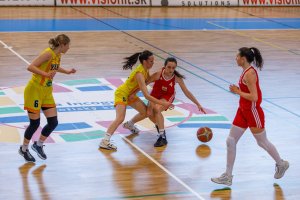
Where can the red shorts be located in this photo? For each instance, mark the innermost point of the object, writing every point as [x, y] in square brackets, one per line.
[168, 97]
[250, 118]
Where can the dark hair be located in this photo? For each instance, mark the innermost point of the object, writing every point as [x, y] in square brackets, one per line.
[171, 59]
[131, 60]
[58, 40]
[252, 55]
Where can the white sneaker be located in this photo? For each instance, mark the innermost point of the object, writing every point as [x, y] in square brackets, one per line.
[280, 169]
[105, 144]
[131, 127]
[224, 179]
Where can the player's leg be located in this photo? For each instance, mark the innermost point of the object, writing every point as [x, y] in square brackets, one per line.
[256, 124]
[32, 103]
[139, 106]
[52, 122]
[237, 130]
[50, 112]
[120, 116]
[159, 118]
[34, 124]
[150, 114]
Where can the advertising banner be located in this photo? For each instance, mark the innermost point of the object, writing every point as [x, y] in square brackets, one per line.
[269, 3]
[27, 2]
[103, 2]
[194, 3]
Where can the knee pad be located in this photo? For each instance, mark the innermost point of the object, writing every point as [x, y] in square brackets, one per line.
[33, 126]
[52, 124]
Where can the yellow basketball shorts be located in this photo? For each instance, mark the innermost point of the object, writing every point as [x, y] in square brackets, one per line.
[37, 96]
[122, 98]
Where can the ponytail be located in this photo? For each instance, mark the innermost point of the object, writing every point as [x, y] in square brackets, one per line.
[131, 60]
[58, 40]
[252, 55]
[179, 75]
[259, 62]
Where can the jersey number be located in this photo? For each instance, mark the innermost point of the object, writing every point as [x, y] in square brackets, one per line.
[36, 103]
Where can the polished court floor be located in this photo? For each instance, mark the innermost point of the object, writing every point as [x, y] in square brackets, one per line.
[204, 41]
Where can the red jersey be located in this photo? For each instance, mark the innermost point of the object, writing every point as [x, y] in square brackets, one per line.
[164, 88]
[244, 103]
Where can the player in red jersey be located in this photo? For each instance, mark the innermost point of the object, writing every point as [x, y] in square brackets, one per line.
[249, 114]
[163, 89]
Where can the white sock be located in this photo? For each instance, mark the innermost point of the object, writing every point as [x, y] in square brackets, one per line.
[107, 136]
[39, 143]
[162, 132]
[233, 138]
[131, 124]
[263, 142]
[24, 147]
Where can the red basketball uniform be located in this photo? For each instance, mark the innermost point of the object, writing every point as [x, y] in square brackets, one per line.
[164, 88]
[249, 113]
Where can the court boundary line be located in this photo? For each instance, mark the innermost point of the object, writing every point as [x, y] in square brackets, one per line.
[13, 51]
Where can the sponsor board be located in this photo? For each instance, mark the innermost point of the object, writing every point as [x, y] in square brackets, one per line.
[27, 2]
[194, 3]
[103, 2]
[269, 2]
[147, 3]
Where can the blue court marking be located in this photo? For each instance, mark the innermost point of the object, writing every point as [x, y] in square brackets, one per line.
[210, 125]
[94, 88]
[261, 24]
[72, 126]
[85, 108]
[36, 25]
[14, 119]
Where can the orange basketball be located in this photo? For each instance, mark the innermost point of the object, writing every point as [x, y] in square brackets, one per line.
[204, 134]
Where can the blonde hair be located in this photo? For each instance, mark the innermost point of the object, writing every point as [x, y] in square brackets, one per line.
[58, 40]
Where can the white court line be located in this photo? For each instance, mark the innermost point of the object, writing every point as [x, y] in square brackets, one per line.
[162, 167]
[128, 141]
[10, 48]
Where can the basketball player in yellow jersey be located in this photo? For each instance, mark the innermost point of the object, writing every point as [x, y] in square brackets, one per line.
[38, 94]
[136, 81]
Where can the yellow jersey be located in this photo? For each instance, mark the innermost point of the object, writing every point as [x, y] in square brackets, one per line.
[51, 65]
[131, 84]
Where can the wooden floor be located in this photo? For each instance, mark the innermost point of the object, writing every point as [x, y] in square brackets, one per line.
[182, 170]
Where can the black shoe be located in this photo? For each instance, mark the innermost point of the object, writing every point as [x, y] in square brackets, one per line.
[27, 156]
[161, 141]
[39, 150]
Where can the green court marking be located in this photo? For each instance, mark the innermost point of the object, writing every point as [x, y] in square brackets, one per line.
[8, 110]
[2, 93]
[82, 136]
[81, 82]
[222, 189]
[153, 195]
[146, 195]
[202, 118]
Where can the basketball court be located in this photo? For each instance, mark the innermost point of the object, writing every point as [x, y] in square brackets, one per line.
[205, 42]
